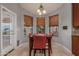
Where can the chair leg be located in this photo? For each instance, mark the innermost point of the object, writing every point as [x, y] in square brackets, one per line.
[44, 52]
[30, 50]
[51, 50]
[34, 52]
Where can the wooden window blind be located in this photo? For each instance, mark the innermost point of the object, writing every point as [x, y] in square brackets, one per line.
[53, 20]
[28, 20]
[40, 21]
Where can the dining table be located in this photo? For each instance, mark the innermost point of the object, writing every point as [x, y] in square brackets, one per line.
[48, 41]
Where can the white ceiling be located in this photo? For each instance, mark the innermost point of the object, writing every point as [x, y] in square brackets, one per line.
[32, 7]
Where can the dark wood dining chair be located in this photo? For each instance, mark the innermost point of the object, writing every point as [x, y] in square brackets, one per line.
[30, 43]
[50, 37]
[39, 43]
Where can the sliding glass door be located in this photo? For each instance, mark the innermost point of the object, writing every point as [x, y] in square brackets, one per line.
[7, 31]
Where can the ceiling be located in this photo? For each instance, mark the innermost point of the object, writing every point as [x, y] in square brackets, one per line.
[32, 7]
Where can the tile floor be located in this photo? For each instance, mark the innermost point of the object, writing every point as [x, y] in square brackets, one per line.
[23, 50]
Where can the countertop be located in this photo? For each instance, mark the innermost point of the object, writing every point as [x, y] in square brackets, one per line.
[75, 34]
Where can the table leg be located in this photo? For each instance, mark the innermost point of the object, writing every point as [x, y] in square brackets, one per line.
[29, 48]
[49, 47]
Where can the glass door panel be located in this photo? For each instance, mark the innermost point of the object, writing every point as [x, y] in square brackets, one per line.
[6, 29]
[8, 26]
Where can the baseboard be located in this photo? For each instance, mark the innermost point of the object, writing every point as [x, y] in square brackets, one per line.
[21, 44]
[66, 50]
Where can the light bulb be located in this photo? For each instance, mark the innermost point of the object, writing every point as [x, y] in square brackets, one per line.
[44, 11]
[40, 13]
[38, 10]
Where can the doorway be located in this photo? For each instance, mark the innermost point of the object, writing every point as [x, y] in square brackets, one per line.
[53, 26]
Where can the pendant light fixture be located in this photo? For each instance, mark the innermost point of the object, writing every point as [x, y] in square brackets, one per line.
[41, 10]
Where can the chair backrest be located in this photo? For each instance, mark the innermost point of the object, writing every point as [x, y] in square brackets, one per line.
[50, 34]
[39, 42]
[30, 34]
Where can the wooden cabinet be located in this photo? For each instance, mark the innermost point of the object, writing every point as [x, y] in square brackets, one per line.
[75, 45]
[53, 20]
[75, 10]
[28, 21]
